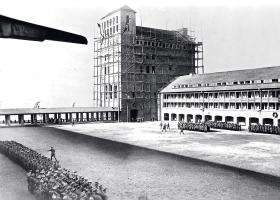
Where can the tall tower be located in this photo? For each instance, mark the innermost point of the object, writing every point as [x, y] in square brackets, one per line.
[132, 63]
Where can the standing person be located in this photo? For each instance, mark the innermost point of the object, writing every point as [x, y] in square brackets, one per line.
[52, 150]
[73, 122]
[168, 126]
[182, 131]
[163, 128]
[160, 125]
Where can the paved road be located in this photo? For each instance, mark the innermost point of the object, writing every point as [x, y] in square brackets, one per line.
[129, 171]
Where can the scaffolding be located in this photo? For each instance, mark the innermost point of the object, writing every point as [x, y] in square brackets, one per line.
[130, 53]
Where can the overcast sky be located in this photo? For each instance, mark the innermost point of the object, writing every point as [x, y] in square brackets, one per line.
[236, 35]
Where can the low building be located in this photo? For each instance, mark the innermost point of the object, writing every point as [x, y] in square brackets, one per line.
[245, 97]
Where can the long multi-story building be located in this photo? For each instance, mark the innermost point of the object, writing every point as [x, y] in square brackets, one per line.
[242, 96]
[131, 64]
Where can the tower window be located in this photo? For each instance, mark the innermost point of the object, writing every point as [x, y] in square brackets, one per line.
[153, 69]
[148, 69]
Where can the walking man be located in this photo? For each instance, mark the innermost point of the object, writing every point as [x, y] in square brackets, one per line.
[163, 128]
[168, 126]
[182, 131]
[52, 150]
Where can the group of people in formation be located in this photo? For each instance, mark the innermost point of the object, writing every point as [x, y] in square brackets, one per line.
[202, 127]
[224, 125]
[257, 128]
[47, 180]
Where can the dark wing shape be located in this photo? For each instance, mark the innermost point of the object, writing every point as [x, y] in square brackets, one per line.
[13, 28]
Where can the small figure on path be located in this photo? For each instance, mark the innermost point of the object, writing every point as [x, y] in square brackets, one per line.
[163, 128]
[168, 126]
[160, 125]
[182, 132]
[52, 150]
[73, 122]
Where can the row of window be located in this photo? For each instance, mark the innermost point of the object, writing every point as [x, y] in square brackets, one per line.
[250, 106]
[111, 30]
[163, 45]
[110, 22]
[225, 83]
[220, 95]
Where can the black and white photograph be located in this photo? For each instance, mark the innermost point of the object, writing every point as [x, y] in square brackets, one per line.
[139, 100]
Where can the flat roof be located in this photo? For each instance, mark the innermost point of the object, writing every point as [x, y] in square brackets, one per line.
[25, 111]
[266, 73]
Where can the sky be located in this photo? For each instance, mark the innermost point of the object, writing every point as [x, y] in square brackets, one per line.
[236, 35]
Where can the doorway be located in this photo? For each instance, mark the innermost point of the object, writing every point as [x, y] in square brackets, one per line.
[133, 115]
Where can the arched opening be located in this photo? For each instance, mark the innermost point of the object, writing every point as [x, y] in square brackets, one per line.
[208, 118]
[229, 119]
[166, 116]
[181, 117]
[241, 121]
[253, 121]
[218, 118]
[173, 117]
[189, 118]
[268, 121]
[198, 118]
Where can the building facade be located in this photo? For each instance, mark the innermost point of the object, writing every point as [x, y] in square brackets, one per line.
[242, 96]
[131, 64]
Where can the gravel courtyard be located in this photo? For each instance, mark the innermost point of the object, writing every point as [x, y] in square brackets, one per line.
[257, 152]
[128, 171]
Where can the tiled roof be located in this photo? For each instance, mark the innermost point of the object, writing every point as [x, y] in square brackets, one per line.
[266, 73]
[125, 7]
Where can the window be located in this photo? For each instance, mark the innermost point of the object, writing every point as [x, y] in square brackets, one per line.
[170, 68]
[116, 19]
[274, 80]
[141, 69]
[153, 69]
[110, 22]
[133, 94]
[113, 29]
[148, 69]
[117, 28]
